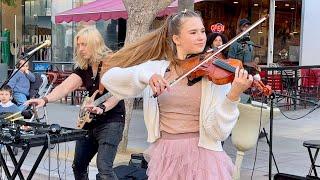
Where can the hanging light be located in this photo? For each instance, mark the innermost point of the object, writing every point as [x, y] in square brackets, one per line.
[294, 18]
[260, 10]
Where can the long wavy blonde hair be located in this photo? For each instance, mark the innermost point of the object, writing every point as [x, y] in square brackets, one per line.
[95, 43]
[155, 45]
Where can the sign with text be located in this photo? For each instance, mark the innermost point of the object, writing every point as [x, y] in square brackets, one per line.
[218, 28]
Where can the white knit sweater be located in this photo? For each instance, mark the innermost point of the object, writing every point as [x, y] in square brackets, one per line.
[218, 114]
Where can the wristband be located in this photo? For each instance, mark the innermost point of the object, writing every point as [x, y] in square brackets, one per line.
[103, 107]
[45, 100]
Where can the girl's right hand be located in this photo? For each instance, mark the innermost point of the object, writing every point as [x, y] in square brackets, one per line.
[158, 84]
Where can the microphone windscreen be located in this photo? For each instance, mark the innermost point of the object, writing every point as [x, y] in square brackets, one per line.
[47, 42]
[27, 114]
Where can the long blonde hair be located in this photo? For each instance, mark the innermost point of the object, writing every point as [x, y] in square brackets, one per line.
[155, 45]
[95, 43]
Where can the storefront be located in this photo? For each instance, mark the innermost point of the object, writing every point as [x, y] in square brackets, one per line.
[229, 12]
[63, 33]
[286, 31]
[35, 23]
[11, 28]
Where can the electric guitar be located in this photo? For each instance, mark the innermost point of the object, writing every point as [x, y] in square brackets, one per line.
[84, 115]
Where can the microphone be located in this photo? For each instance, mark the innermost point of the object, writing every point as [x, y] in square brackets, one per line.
[46, 43]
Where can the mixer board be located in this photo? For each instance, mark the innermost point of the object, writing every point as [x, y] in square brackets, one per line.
[26, 135]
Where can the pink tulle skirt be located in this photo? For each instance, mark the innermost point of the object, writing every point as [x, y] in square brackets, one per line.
[178, 157]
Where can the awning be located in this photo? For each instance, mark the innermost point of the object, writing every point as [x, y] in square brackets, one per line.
[104, 9]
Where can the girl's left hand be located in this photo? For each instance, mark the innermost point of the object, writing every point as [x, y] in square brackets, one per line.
[242, 81]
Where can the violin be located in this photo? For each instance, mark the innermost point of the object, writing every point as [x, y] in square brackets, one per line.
[218, 71]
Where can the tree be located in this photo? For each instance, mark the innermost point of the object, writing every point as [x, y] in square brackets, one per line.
[141, 13]
[8, 2]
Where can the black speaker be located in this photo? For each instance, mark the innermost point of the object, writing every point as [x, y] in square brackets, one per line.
[282, 176]
[138, 160]
[128, 172]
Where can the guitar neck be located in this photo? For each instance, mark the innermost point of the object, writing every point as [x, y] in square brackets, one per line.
[102, 99]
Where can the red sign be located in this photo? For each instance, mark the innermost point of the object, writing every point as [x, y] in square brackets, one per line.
[218, 27]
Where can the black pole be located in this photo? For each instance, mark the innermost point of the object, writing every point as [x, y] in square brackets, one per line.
[272, 96]
[268, 142]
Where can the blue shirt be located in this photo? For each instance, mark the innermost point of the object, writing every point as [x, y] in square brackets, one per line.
[20, 82]
[9, 107]
[242, 52]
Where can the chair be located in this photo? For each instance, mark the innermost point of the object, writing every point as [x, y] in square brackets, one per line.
[313, 144]
[309, 85]
[77, 96]
[246, 131]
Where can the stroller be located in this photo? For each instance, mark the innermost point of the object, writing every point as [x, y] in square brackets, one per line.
[39, 89]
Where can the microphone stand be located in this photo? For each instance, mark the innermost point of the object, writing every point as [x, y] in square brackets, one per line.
[272, 96]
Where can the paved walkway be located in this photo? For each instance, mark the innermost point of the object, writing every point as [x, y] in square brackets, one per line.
[289, 135]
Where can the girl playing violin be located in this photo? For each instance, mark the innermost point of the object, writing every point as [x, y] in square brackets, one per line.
[185, 123]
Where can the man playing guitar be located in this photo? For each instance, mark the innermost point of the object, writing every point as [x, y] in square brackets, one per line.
[105, 131]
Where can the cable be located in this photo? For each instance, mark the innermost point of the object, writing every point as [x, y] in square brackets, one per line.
[2, 147]
[48, 136]
[58, 162]
[65, 160]
[259, 129]
[313, 109]
[294, 119]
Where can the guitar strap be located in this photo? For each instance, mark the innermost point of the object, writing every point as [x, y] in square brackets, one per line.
[100, 88]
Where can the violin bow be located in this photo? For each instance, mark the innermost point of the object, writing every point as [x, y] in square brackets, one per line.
[255, 24]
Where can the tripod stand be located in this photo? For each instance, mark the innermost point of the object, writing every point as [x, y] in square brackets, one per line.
[272, 97]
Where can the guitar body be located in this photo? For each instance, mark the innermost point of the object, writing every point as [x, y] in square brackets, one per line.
[84, 115]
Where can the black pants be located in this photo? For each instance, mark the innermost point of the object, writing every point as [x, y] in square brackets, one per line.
[103, 139]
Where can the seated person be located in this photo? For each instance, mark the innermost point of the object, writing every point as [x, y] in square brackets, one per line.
[20, 84]
[6, 105]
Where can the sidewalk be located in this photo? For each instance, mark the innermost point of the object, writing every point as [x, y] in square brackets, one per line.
[291, 156]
